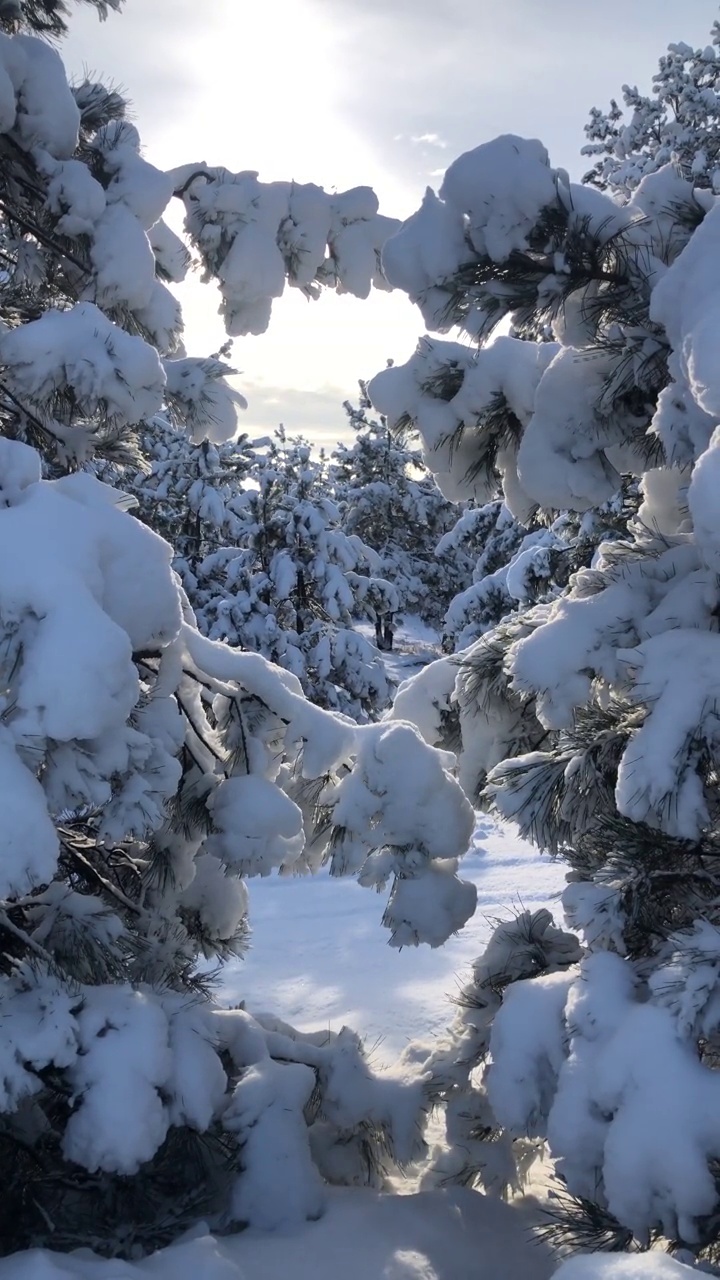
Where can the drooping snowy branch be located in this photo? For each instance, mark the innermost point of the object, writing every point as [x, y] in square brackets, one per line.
[255, 237]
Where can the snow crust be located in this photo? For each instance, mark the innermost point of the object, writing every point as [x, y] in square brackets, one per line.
[597, 1101]
[332, 971]
[46, 112]
[684, 302]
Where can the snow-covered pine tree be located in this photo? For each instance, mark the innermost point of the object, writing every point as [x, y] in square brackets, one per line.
[146, 771]
[186, 491]
[493, 532]
[592, 718]
[520, 566]
[262, 558]
[387, 497]
[677, 123]
[288, 581]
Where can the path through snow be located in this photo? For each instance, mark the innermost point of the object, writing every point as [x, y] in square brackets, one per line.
[319, 954]
[320, 959]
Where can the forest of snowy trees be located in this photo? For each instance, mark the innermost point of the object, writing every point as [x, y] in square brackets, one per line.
[199, 687]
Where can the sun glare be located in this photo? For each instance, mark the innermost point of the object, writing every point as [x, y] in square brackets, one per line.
[253, 86]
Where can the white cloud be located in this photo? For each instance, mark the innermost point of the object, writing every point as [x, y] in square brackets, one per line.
[429, 139]
[318, 415]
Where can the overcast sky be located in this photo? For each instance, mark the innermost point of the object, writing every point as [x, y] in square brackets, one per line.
[343, 92]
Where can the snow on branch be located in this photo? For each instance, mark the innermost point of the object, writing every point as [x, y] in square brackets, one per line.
[255, 237]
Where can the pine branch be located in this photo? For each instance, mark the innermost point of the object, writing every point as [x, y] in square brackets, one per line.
[95, 876]
[582, 1225]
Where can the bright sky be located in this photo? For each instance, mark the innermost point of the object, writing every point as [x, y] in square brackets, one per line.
[383, 93]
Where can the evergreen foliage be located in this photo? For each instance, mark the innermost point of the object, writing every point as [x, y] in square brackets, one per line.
[386, 497]
[146, 771]
[187, 492]
[289, 580]
[151, 762]
[590, 717]
[45, 17]
[677, 123]
[263, 558]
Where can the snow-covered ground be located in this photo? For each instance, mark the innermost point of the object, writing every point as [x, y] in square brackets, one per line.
[414, 645]
[319, 959]
[319, 956]
[440, 1235]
